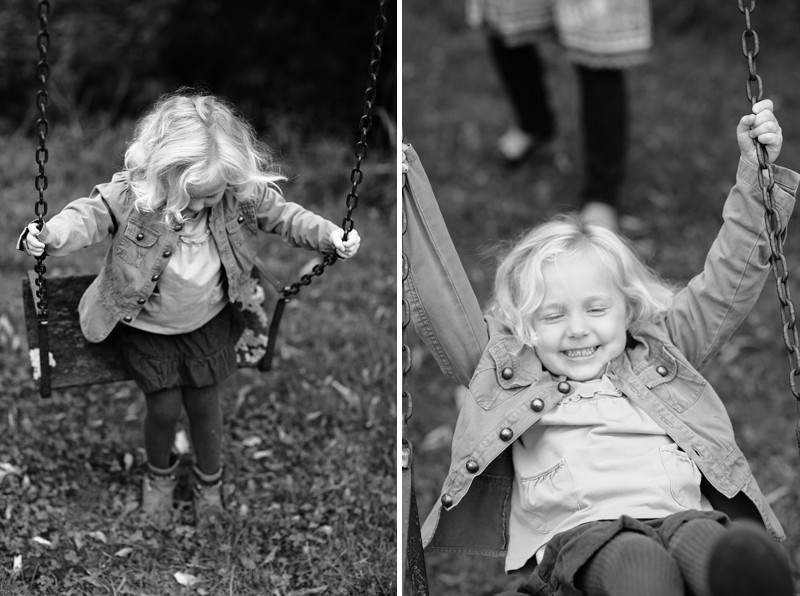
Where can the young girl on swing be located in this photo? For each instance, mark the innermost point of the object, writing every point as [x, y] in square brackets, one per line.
[591, 452]
[183, 219]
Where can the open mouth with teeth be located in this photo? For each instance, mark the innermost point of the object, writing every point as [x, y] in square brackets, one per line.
[581, 353]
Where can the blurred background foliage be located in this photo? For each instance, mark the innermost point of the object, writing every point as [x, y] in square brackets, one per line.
[308, 59]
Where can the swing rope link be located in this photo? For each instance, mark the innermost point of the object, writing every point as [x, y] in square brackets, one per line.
[766, 183]
[42, 154]
[356, 175]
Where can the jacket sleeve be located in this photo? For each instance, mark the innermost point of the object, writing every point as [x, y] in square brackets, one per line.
[708, 311]
[296, 225]
[444, 308]
[86, 221]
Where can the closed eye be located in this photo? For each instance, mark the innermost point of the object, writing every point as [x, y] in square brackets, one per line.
[552, 317]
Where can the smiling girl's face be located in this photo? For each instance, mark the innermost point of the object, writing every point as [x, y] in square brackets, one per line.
[581, 324]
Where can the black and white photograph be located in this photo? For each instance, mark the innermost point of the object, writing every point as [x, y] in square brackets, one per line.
[199, 298]
[600, 348]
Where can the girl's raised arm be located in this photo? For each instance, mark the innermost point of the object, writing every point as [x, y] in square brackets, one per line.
[444, 308]
[708, 311]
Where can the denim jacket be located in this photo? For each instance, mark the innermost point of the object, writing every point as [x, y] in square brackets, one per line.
[142, 243]
[658, 370]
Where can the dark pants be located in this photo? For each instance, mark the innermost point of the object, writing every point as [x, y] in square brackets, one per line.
[603, 113]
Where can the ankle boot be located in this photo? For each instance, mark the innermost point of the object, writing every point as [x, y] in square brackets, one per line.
[745, 561]
[158, 488]
[207, 491]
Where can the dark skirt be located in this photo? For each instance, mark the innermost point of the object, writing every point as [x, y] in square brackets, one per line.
[203, 357]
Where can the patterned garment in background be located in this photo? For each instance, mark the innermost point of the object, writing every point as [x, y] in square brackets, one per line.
[595, 33]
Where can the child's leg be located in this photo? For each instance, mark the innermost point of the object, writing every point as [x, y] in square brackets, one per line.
[691, 546]
[737, 560]
[161, 417]
[205, 419]
[205, 422]
[631, 564]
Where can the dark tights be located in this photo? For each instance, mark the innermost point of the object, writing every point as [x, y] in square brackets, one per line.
[205, 422]
[633, 564]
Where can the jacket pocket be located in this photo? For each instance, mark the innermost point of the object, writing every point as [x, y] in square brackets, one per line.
[673, 380]
[501, 374]
[683, 475]
[242, 224]
[135, 242]
[549, 497]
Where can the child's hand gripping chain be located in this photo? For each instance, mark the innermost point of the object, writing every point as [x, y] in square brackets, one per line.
[761, 126]
[31, 242]
[345, 248]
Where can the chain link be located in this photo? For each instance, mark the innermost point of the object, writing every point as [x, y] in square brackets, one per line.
[356, 175]
[766, 183]
[42, 154]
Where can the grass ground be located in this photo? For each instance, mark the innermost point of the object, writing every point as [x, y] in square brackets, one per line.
[309, 447]
[684, 107]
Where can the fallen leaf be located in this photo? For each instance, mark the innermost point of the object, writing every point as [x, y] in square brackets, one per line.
[42, 541]
[252, 441]
[185, 579]
[98, 535]
[347, 394]
[123, 552]
[8, 470]
[17, 565]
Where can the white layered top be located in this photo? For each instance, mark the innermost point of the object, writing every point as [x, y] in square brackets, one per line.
[190, 291]
[594, 456]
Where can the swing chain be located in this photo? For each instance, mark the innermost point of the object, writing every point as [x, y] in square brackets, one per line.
[413, 551]
[356, 175]
[766, 183]
[42, 128]
[365, 122]
[408, 404]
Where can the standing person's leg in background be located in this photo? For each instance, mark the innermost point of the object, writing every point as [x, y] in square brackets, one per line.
[604, 115]
[522, 74]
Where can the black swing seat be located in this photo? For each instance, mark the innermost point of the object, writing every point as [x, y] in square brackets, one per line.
[75, 362]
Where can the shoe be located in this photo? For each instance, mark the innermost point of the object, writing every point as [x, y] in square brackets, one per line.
[515, 145]
[599, 213]
[746, 562]
[158, 489]
[209, 510]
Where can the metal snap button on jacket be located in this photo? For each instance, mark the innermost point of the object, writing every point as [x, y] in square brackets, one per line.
[127, 318]
[537, 405]
[472, 466]
[140, 236]
[506, 434]
[662, 370]
[507, 373]
[564, 387]
[447, 500]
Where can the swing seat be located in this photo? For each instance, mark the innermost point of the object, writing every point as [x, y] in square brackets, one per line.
[74, 361]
